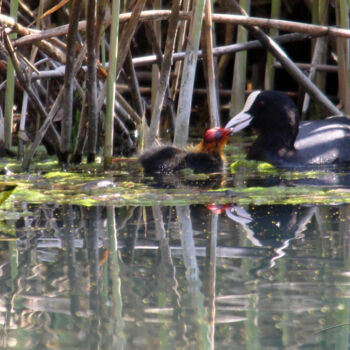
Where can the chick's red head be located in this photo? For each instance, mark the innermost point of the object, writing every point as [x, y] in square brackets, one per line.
[216, 134]
[215, 139]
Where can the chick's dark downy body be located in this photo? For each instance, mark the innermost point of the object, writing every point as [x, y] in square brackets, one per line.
[206, 157]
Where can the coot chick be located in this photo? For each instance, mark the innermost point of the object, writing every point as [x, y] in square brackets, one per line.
[285, 142]
[206, 157]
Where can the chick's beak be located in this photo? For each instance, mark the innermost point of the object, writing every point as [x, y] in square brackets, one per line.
[239, 122]
[227, 132]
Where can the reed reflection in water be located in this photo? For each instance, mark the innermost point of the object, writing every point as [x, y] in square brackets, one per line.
[199, 277]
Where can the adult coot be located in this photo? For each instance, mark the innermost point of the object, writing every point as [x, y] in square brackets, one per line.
[285, 142]
[206, 157]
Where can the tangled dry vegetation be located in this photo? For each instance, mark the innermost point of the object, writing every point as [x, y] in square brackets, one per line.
[83, 77]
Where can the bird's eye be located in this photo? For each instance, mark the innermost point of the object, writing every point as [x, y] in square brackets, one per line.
[261, 103]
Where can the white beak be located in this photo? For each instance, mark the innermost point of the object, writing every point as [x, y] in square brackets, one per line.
[243, 119]
[239, 122]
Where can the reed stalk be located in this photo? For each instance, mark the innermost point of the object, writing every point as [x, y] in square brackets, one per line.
[315, 13]
[209, 66]
[269, 69]
[70, 252]
[194, 283]
[225, 59]
[180, 47]
[13, 252]
[10, 85]
[81, 135]
[157, 31]
[66, 125]
[297, 74]
[152, 37]
[31, 36]
[129, 110]
[240, 68]
[34, 51]
[21, 133]
[290, 67]
[342, 17]
[32, 95]
[115, 291]
[111, 84]
[179, 56]
[212, 276]
[318, 49]
[93, 220]
[49, 117]
[91, 82]
[128, 33]
[328, 68]
[223, 50]
[321, 17]
[100, 17]
[22, 125]
[163, 82]
[188, 75]
[134, 85]
[42, 131]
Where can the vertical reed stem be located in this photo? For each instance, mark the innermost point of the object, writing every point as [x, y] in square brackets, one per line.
[342, 10]
[112, 71]
[164, 73]
[269, 70]
[180, 46]
[91, 82]
[10, 86]
[319, 16]
[115, 280]
[188, 75]
[317, 53]
[209, 69]
[323, 20]
[127, 34]
[240, 68]
[66, 129]
[157, 5]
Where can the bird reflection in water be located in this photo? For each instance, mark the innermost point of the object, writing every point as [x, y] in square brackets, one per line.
[270, 226]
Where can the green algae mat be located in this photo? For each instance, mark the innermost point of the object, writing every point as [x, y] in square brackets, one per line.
[124, 185]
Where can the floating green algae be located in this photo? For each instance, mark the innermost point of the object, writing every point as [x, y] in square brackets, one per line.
[6, 189]
[124, 185]
[252, 165]
[137, 193]
[266, 169]
[71, 177]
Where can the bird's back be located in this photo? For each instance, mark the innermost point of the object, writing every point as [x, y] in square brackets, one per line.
[324, 141]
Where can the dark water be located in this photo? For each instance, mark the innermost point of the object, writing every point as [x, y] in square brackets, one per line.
[181, 277]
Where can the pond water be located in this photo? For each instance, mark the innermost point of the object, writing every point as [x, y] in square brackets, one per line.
[262, 262]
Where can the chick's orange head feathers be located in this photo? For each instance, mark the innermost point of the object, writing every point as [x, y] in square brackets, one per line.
[215, 139]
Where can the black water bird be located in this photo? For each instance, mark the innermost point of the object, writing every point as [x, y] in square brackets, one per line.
[286, 142]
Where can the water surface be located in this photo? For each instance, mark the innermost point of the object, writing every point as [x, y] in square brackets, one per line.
[176, 277]
[253, 259]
